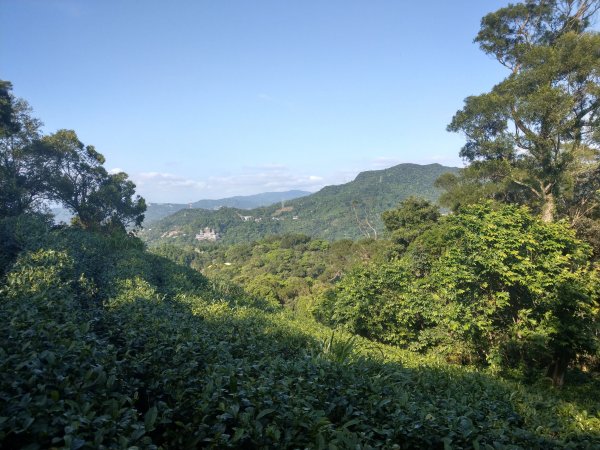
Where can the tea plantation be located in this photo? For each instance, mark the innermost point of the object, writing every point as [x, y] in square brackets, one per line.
[107, 346]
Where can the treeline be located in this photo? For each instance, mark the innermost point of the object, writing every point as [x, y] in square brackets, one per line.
[346, 211]
[289, 269]
[107, 346]
[490, 285]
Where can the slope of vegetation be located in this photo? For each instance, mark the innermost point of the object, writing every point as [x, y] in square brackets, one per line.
[156, 211]
[347, 211]
[107, 346]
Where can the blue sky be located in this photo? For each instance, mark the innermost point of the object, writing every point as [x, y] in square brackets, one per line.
[205, 99]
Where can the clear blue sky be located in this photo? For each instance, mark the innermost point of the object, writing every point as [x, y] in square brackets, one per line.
[204, 99]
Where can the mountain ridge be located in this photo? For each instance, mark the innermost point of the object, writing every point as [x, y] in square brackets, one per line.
[156, 211]
[350, 210]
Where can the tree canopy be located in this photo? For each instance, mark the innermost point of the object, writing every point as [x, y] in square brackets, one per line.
[488, 285]
[534, 138]
[59, 168]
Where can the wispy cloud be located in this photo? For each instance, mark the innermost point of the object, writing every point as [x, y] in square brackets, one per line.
[167, 180]
[268, 98]
[169, 187]
[383, 162]
[272, 177]
[265, 97]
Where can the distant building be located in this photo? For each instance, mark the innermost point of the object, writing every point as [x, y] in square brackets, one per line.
[208, 234]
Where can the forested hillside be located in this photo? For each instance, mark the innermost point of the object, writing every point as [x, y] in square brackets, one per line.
[108, 346]
[156, 211]
[346, 211]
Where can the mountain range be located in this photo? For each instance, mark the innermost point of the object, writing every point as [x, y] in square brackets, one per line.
[156, 211]
[351, 210]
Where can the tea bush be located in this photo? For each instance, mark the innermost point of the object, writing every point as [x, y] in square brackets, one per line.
[159, 357]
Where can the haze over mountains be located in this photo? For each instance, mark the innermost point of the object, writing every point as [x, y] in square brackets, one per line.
[157, 211]
[350, 210]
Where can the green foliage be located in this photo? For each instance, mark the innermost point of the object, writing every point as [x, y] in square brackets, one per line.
[338, 350]
[173, 363]
[529, 137]
[60, 384]
[281, 269]
[409, 220]
[365, 303]
[156, 211]
[17, 234]
[35, 169]
[76, 178]
[486, 286]
[21, 177]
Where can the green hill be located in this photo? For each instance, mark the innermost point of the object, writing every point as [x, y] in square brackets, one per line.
[351, 210]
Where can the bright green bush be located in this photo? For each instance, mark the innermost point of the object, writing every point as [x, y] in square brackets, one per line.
[492, 286]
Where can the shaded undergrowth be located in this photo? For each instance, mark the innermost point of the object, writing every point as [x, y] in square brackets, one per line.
[111, 348]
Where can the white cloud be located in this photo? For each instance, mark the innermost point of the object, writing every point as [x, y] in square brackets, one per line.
[168, 187]
[269, 99]
[258, 179]
[115, 171]
[167, 180]
[265, 97]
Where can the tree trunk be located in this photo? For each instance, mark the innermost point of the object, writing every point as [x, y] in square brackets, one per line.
[548, 208]
[557, 370]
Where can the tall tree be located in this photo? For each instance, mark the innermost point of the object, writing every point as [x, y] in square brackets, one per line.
[528, 136]
[20, 180]
[76, 177]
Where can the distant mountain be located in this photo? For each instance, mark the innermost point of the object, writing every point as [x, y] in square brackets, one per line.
[156, 211]
[350, 210]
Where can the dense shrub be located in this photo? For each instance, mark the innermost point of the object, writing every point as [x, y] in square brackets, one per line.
[492, 286]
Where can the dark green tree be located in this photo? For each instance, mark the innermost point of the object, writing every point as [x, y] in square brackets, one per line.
[20, 178]
[520, 290]
[528, 137]
[5, 107]
[410, 219]
[76, 177]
